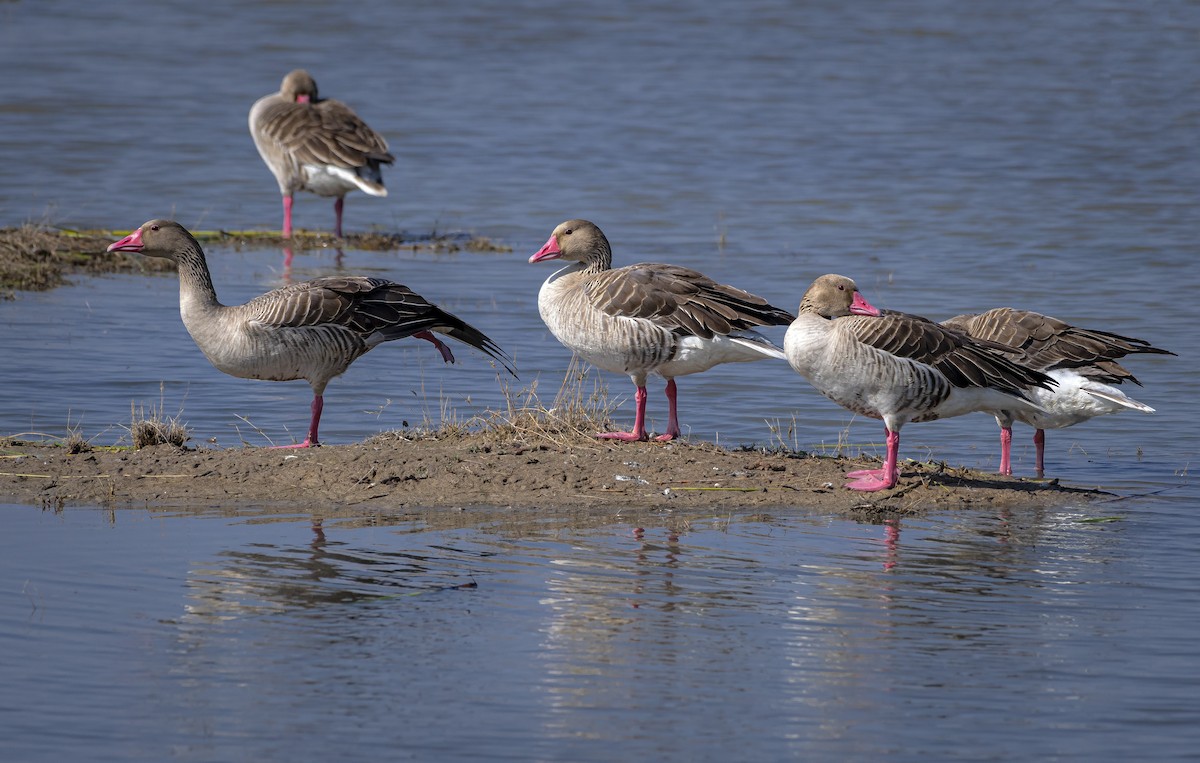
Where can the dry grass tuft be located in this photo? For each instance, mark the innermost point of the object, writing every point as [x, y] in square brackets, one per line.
[156, 429]
[580, 409]
[76, 443]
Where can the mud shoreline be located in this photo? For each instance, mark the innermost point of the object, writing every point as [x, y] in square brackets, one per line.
[473, 471]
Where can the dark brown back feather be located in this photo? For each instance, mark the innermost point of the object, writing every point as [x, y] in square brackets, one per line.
[682, 299]
[1046, 343]
[325, 132]
[367, 306]
[963, 361]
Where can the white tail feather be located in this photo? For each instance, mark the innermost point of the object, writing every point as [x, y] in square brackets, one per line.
[1114, 396]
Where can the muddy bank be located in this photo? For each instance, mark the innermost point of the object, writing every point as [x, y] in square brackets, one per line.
[38, 258]
[389, 472]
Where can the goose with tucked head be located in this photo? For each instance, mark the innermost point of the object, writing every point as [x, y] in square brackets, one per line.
[1082, 361]
[317, 145]
[898, 367]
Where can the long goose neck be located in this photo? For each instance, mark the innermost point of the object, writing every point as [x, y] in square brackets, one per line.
[599, 258]
[195, 282]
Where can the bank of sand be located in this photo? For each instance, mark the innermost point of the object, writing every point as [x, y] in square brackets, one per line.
[604, 478]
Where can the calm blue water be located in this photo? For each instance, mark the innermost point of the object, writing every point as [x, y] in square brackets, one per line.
[948, 156]
[1022, 636]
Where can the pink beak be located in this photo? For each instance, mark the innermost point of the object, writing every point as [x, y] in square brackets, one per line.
[549, 251]
[131, 243]
[860, 306]
[302, 99]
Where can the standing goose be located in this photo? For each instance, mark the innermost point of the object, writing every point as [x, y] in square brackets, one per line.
[1082, 361]
[312, 330]
[647, 318]
[316, 144]
[897, 367]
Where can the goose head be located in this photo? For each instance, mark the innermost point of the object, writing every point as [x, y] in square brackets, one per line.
[156, 238]
[577, 241]
[299, 87]
[834, 296]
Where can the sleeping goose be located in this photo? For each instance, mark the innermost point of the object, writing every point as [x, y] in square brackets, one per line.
[1082, 361]
[897, 367]
[647, 318]
[316, 144]
[312, 330]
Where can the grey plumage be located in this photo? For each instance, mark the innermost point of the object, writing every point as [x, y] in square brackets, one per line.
[898, 367]
[312, 330]
[647, 318]
[316, 144]
[1083, 362]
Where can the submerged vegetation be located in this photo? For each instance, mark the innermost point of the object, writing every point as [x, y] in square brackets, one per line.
[36, 258]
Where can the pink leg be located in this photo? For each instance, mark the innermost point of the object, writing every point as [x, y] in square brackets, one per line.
[318, 403]
[639, 422]
[672, 417]
[891, 471]
[891, 541]
[428, 336]
[287, 216]
[337, 213]
[1039, 441]
[877, 473]
[1006, 450]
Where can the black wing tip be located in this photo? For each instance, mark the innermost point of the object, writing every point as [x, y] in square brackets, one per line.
[468, 334]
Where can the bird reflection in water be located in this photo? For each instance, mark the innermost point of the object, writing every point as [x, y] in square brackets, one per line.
[289, 255]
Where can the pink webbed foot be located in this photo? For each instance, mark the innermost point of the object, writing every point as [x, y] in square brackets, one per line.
[428, 336]
[639, 422]
[870, 480]
[860, 473]
[305, 444]
[311, 441]
[671, 433]
[870, 484]
[622, 436]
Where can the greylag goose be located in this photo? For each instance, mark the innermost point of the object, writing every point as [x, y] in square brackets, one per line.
[1082, 361]
[897, 367]
[316, 144]
[312, 330]
[647, 318]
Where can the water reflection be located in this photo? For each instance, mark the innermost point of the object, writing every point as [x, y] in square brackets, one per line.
[800, 633]
[338, 266]
[265, 579]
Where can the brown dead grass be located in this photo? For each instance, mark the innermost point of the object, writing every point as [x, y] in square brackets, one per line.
[35, 258]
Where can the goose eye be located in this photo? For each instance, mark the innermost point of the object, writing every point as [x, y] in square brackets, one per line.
[568, 231]
[841, 287]
[153, 227]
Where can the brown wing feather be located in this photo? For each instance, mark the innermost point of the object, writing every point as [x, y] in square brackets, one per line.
[681, 299]
[367, 306]
[963, 361]
[1047, 343]
[326, 132]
